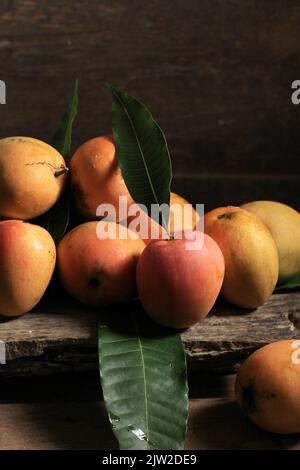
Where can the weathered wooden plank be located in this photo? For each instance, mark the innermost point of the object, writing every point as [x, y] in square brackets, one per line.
[62, 338]
[230, 334]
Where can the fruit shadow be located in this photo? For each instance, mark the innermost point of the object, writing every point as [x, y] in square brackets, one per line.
[220, 425]
[223, 308]
[131, 318]
[4, 319]
[65, 412]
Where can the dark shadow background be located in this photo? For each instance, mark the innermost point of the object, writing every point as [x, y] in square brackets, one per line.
[216, 74]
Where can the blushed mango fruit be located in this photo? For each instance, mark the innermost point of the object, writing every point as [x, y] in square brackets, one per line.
[268, 384]
[32, 177]
[178, 286]
[250, 253]
[99, 271]
[284, 224]
[27, 261]
[96, 177]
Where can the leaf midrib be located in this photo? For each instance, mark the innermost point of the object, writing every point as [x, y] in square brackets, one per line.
[138, 143]
[144, 377]
[116, 95]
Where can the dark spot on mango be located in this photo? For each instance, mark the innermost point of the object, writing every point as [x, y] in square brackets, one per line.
[17, 139]
[94, 283]
[249, 399]
[226, 215]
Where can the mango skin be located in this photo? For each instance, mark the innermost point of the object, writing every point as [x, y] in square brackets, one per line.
[96, 177]
[178, 287]
[284, 224]
[27, 261]
[250, 253]
[32, 177]
[267, 387]
[95, 271]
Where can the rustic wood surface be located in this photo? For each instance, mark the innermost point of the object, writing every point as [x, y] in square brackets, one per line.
[217, 76]
[55, 339]
[65, 414]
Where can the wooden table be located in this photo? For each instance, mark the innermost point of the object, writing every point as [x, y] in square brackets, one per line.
[61, 335]
[66, 412]
[57, 403]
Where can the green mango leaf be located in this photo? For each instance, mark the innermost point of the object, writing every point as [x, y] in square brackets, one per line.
[142, 153]
[143, 376]
[62, 138]
[291, 283]
[57, 219]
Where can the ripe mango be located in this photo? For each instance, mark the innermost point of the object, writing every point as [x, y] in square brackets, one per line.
[27, 261]
[96, 177]
[32, 177]
[177, 286]
[268, 384]
[99, 271]
[250, 253]
[284, 224]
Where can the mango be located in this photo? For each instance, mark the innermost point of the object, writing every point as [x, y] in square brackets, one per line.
[284, 224]
[178, 286]
[27, 261]
[96, 177]
[32, 177]
[268, 384]
[250, 253]
[99, 271]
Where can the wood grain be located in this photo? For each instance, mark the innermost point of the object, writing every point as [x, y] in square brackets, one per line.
[55, 339]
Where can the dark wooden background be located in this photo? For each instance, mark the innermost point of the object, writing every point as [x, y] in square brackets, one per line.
[216, 73]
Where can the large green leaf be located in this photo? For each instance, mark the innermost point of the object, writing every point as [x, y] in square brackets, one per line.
[56, 220]
[143, 376]
[142, 153]
[292, 283]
